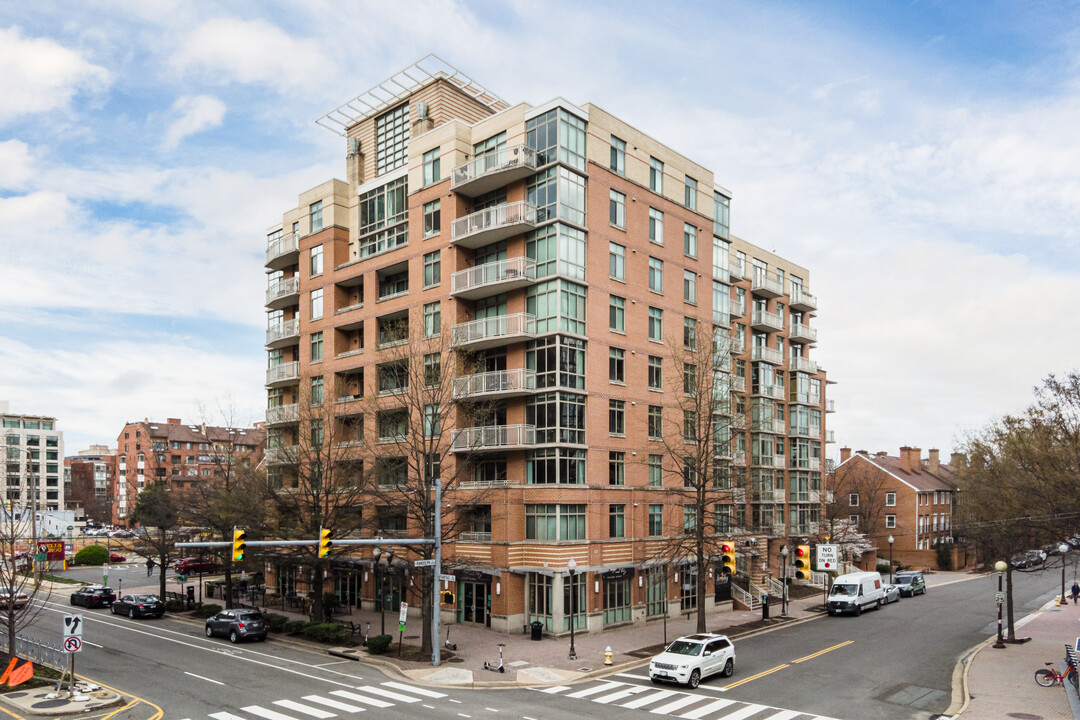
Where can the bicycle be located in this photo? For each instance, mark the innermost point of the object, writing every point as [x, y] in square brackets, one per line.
[1049, 678]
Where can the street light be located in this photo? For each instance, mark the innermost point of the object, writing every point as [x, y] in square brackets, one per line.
[783, 569]
[571, 567]
[891, 541]
[380, 582]
[1000, 566]
[1063, 548]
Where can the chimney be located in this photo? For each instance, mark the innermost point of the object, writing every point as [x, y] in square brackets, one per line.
[957, 461]
[845, 453]
[173, 421]
[932, 465]
[905, 458]
[915, 459]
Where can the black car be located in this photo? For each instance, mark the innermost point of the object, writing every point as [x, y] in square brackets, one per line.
[139, 606]
[93, 596]
[237, 625]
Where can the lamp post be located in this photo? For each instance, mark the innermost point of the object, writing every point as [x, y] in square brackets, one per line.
[1000, 566]
[783, 579]
[1063, 548]
[891, 541]
[571, 567]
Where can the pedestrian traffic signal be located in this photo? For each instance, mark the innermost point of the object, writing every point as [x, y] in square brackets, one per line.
[238, 544]
[727, 557]
[447, 597]
[324, 542]
[801, 561]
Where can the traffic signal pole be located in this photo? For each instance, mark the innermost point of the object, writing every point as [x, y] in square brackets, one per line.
[436, 640]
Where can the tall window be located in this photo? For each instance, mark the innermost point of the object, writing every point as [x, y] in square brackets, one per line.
[616, 521]
[616, 362]
[656, 226]
[689, 240]
[656, 470]
[432, 268]
[656, 324]
[616, 417]
[432, 369]
[551, 521]
[316, 304]
[316, 261]
[656, 275]
[316, 391]
[618, 156]
[616, 468]
[689, 380]
[617, 313]
[656, 520]
[656, 422]
[432, 170]
[432, 218]
[316, 347]
[432, 420]
[690, 193]
[617, 261]
[617, 209]
[689, 333]
[656, 373]
[315, 211]
[689, 287]
[721, 215]
[656, 176]
[392, 139]
[432, 319]
[689, 426]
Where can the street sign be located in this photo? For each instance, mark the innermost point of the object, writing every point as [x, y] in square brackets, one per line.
[181, 578]
[424, 563]
[72, 644]
[828, 557]
[404, 612]
[447, 578]
[999, 597]
[73, 625]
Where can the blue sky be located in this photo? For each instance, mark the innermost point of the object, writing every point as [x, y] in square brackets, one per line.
[920, 158]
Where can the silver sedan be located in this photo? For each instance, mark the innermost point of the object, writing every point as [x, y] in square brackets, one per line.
[892, 594]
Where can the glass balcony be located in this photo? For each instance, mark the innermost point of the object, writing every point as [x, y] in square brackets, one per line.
[738, 384]
[737, 269]
[493, 438]
[767, 354]
[283, 374]
[493, 170]
[497, 384]
[800, 398]
[287, 333]
[766, 286]
[802, 364]
[283, 252]
[805, 463]
[764, 321]
[493, 278]
[493, 331]
[283, 293]
[736, 310]
[830, 436]
[802, 333]
[802, 301]
[286, 454]
[830, 406]
[282, 414]
[762, 495]
[493, 224]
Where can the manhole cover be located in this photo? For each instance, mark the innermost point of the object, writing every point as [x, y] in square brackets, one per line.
[916, 696]
[456, 660]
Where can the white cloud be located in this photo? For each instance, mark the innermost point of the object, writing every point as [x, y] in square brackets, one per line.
[16, 164]
[193, 114]
[40, 75]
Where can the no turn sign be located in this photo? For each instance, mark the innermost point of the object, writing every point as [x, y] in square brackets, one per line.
[73, 644]
[828, 558]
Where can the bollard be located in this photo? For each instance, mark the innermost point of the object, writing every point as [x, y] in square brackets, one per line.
[607, 655]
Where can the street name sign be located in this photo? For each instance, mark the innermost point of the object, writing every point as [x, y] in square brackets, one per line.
[447, 578]
[424, 563]
[828, 557]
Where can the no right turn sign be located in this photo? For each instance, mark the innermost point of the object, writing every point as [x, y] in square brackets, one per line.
[828, 558]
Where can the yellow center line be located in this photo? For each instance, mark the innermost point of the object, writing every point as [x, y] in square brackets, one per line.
[822, 652]
[156, 716]
[754, 677]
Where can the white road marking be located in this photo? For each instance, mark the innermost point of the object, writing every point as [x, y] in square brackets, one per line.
[336, 662]
[429, 707]
[632, 675]
[414, 690]
[216, 682]
[491, 709]
[743, 713]
[784, 715]
[621, 694]
[268, 714]
[92, 644]
[464, 715]
[306, 709]
[379, 692]
[704, 710]
[453, 700]
[226, 716]
[595, 689]
[552, 690]
[650, 699]
[676, 704]
[361, 698]
[333, 703]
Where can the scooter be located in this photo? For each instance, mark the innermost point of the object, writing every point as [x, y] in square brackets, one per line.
[494, 667]
[367, 631]
[449, 645]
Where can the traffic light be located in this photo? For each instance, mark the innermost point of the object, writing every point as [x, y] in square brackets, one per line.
[238, 544]
[324, 542]
[801, 561]
[727, 557]
[447, 597]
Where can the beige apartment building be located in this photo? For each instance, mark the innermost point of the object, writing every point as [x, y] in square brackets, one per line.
[563, 254]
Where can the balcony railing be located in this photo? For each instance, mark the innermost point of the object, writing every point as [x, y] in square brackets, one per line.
[475, 537]
[283, 251]
[493, 277]
[482, 484]
[800, 430]
[815, 496]
[802, 301]
[762, 495]
[802, 364]
[737, 310]
[284, 454]
[282, 414]
[493, 170]
[281, 290]
[805, 463]
[499, 383]
[766, 286]
[765, 321]
[493, 224]
[287, 330]
[767, 354]
[801, 332]
[493, 331]
[773, 391]
[803, 398]
[830, 436]
[286, 372]
[738, 384]
[719, 317]
[830, 406]
[737, 269]
[493, 437]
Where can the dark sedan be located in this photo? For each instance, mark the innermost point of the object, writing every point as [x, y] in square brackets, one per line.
[94, 596]
[139, 606]
[237, 625]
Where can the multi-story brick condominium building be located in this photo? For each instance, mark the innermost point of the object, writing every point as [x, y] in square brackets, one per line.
[906, 497]
[34, 455]
[180, 455]
[89, 479]
[566, 259]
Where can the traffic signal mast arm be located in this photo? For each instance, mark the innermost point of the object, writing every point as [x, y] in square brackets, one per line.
[281, 543]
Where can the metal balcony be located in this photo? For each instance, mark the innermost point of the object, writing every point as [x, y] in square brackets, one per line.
[493, 438]
[800, 398]
[283, 374]
[830, 406]
[493, 224]
[736, 310]
[801, 431]
[767, 354]
[496, 384]
[830, 436]
[283, 252]
[802, 333]
[283, 414]
[283, 293]
[493, 278]
[766, 286]
[767, 390]
[493, 331]
[802, 301]
[288, 454]
[802, 364]
[493, 170]
[764, 321]
[805, 463]
[287, 333]
[738, 384]
[737, 269]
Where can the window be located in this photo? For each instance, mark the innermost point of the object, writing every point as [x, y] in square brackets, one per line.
[656, 324]
[316, 260]
[554, 522]
[316, 304]
[316, 347]
[656, 275]
[393, 425]
[890, 499]
[890, 521]
[656, 470]
[432, 319]
[616, 521]
[618, 158]
[853, 499]
[690, 193]
[616, 365]
[617, 313]
[689, 242]
[689, 426]
[432, 369]
[656, 373]
[656, 520]
[384, 215]
[392, 139]
[689, 379]
[617, 209]
[656, 176]
[432, 268]
[315, 212]
[656, 423]
[392, 377]
[616, 468]
[432, 172]
[616, 417]
[432, 421]
[656, 226]
[689, 333]
[432, 218]
[617, 261]
[721, 215]
[316, 391]
[689, 287]
[854, 520]
[689, 518]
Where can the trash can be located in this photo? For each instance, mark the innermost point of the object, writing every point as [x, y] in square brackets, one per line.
[537, 630]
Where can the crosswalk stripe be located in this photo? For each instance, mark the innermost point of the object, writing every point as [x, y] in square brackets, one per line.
[743, 713]
[361, 698]
[306, 709]
[268, 714]
[387, 694]
[634, 690]
[226, 716]
[414, 690]
[784, 715]
[676, 704]
[553, 690]
[649, 699]
[333, 703]
[595, 689]
[704, 710]
[631, 675]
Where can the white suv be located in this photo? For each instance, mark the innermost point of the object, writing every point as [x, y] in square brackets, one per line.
[691, 658]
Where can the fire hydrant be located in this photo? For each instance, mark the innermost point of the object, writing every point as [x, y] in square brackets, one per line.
[607, 655]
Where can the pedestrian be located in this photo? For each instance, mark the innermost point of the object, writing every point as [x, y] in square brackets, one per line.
[149, 567]
[1075, 592]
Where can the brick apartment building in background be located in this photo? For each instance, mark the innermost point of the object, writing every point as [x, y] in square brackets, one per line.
[33, 454]
[90, 479]
[564, 247]
[907, 497]
[178, 454]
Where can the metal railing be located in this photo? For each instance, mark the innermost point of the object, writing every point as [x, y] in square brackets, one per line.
[475, 537]
[830, 406]
[767, 354]
[283, 414]
[287, 329]
[802, 331]
[493, 437]
[802, 299]
[498, 381]
[282, 246]
[500, 216]
[802, 364]
[762, 282]
[747, 599]
[490, 328]
[282, 372]
[507, 158]
[764, 318]
[39, 652]
[492, 273]
[282, 288]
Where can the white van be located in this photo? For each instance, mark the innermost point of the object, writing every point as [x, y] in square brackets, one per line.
[856, 592]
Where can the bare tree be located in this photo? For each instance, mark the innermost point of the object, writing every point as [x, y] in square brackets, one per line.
[858, 500]
[18, 575]
[157, 510]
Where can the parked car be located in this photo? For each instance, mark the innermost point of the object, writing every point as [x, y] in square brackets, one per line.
[138, 606]
[1074, 542]
[93, 596]
[855, 592]
[1052, 549]
[194, 566]
[910, 583]
[237, 625]
[892, 594]
[1036, 558]
[690, 659]
[21, 599]
[122, 534]
[1020, 561]
[117, 558]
